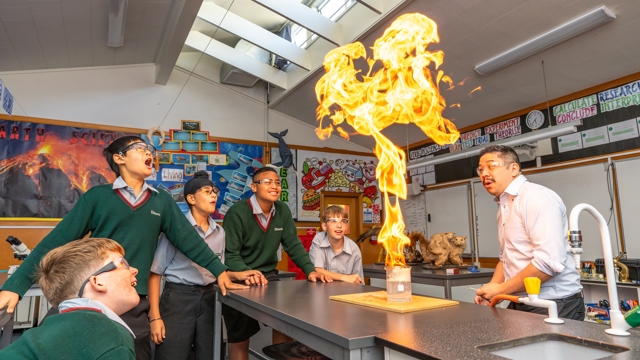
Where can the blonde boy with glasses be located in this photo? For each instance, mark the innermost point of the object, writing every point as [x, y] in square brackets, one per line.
[91, 284]
[332, 253]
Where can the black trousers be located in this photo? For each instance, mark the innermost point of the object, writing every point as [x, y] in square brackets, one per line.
[571, 307]
[188, 314]
[138, 321]
[241, 327]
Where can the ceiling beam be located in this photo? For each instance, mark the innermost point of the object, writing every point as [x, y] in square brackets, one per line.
[218, 16]
[373, 5]
[307, 18]
[183, 14]
[237, 59]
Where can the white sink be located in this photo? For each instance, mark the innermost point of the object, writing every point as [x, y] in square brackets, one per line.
[552, 347]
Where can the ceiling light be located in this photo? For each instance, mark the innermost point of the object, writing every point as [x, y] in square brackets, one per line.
[575, 27]
[550, 132]
[117, 19]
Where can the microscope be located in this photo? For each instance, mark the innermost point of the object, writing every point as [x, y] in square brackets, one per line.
[20, 251]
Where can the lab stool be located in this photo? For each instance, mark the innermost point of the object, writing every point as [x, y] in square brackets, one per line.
[292, 350]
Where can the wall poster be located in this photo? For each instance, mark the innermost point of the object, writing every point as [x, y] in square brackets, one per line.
[321, 171]
[44, 169]
[289, 179]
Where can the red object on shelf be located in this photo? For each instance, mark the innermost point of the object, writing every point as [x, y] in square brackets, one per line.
[306, 242]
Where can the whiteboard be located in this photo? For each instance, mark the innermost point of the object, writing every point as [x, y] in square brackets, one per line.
[583, 184]
[628, 173]
[449, 210]
[486, 222]
[414, 213]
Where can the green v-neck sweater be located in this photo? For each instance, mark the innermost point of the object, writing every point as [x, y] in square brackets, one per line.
[77, 335]
[102, 212]
[250, 247]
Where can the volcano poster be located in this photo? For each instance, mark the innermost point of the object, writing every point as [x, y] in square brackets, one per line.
[44, 169]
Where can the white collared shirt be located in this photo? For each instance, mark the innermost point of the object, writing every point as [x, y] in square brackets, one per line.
[177, 267]
[90, 303]
[532, 228]
[127, 191]
[348, 261]
[260, 215]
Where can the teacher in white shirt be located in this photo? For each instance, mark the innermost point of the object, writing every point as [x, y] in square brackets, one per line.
[532, 228]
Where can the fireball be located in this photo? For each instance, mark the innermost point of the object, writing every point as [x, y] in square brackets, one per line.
[403, 91]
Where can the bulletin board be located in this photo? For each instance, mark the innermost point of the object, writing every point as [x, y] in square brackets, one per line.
[414, 213]
[230, 167]
[448, 211]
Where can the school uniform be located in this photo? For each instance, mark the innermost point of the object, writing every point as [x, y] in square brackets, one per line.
[348, 261]
[84, 329]
[252, 242]
[188, 301]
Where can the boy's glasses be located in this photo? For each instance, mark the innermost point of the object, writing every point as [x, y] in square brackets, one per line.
[268, 182]
[140, 147]
[209, 190]
[334, 221]
[490, 166]
[109, 267]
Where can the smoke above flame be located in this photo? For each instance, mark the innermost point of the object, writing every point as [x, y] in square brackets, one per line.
[60, 154]
[403, 91]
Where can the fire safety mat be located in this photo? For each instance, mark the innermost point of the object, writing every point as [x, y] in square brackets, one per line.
[378, 300]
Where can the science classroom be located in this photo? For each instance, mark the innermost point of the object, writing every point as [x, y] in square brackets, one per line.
[319, 179]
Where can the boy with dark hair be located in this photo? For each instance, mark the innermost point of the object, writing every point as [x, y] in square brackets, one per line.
[254, 230]
[91, 283]
[182, 320]
[134, 214]
[332, 253]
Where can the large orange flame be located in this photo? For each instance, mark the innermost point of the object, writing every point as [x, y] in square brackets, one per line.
[402, 92]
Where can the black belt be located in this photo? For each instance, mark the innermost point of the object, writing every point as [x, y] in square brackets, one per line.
[175, 286]
[571, 297]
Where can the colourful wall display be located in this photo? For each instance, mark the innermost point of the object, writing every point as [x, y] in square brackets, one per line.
[44, 169]
[230, 170]
[321, 171]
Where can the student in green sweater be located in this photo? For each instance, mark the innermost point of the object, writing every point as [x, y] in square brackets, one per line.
[134, 214]
[254, 230]
[91, 284]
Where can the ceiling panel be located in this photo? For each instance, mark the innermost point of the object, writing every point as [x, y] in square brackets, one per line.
[72, 33]
[155, 13]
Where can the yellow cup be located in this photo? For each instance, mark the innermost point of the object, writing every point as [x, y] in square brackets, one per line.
[532, 285]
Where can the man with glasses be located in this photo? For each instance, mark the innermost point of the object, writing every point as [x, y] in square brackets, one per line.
[254, 230]
[91, 284]
[182, 319]
[332, 253]
[532, 228]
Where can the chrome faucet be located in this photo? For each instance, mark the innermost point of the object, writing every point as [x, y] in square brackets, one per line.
[618, 323]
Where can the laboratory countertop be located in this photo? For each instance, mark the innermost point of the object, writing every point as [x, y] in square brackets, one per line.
[449, 333]
[418, 271]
